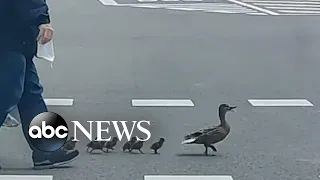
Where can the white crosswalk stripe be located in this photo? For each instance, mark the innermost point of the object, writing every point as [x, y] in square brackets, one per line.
[187, 177]
[289, 7]
[147, 1]
[169, 0]
[204, 7]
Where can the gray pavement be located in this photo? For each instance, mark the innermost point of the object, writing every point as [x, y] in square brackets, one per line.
[107, 56]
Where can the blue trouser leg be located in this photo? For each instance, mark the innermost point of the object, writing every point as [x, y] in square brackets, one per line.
[20, 86]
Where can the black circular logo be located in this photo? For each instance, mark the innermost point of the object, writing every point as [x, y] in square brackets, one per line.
[48, 132]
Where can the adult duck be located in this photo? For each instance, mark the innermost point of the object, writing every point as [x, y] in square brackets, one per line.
[211, 135]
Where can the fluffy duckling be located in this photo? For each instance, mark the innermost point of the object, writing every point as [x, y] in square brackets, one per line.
[111, 144]
[157, 145]
[212, 135]
[96, 145]
[90, 144]
[128, 144]
[137, 146]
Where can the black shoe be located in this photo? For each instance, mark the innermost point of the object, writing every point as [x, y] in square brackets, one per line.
[54, 159]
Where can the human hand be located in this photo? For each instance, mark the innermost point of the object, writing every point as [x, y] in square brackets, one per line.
[45, 33]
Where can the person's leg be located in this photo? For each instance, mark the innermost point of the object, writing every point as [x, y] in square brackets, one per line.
[12, 71]
[30, 105]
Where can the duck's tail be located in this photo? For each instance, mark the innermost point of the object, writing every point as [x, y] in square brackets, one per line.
[188, 141]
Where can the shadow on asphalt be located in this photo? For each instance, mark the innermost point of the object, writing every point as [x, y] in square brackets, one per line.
[30, 169]
[195, 155]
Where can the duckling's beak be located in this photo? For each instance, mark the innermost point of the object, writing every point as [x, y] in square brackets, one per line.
[232, 108]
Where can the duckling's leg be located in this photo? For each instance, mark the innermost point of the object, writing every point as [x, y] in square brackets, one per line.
[156, 151]
[141, 151]
[92, 150]
[88, 149]
[104, 150]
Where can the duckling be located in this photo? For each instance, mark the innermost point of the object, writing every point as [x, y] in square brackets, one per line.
[69, 145]
[137, 146]
[112, 143]
[157, 145]
[91, 143]
[96, 145]
[128, 144]
[212, 135]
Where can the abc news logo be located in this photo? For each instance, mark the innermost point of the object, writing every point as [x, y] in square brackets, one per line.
[48, 131]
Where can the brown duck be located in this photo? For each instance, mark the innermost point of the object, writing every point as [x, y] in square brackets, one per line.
[212, 135]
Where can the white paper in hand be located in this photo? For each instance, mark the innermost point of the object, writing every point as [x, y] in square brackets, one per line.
[46, 52]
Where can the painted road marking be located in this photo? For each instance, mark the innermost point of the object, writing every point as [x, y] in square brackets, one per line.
[291, 5]
[280, 102]
[147, 0]
[233, 8]
[25, 177]
[186, 177]
[283, 2]
[58, 102]
[296, 8]
[253, 7]
[303, 12]
[205, 7]
[109, 2]
[286, 7]
[257, 13]
[162, 102]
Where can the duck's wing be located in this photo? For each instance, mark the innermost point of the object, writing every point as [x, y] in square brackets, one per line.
[190, 138]
[214, 135]
[214, 131]
[199, 133]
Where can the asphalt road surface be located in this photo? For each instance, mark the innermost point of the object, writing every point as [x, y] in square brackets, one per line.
[106, 56]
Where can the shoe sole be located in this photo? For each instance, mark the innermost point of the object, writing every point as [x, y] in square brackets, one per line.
[56, 165]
